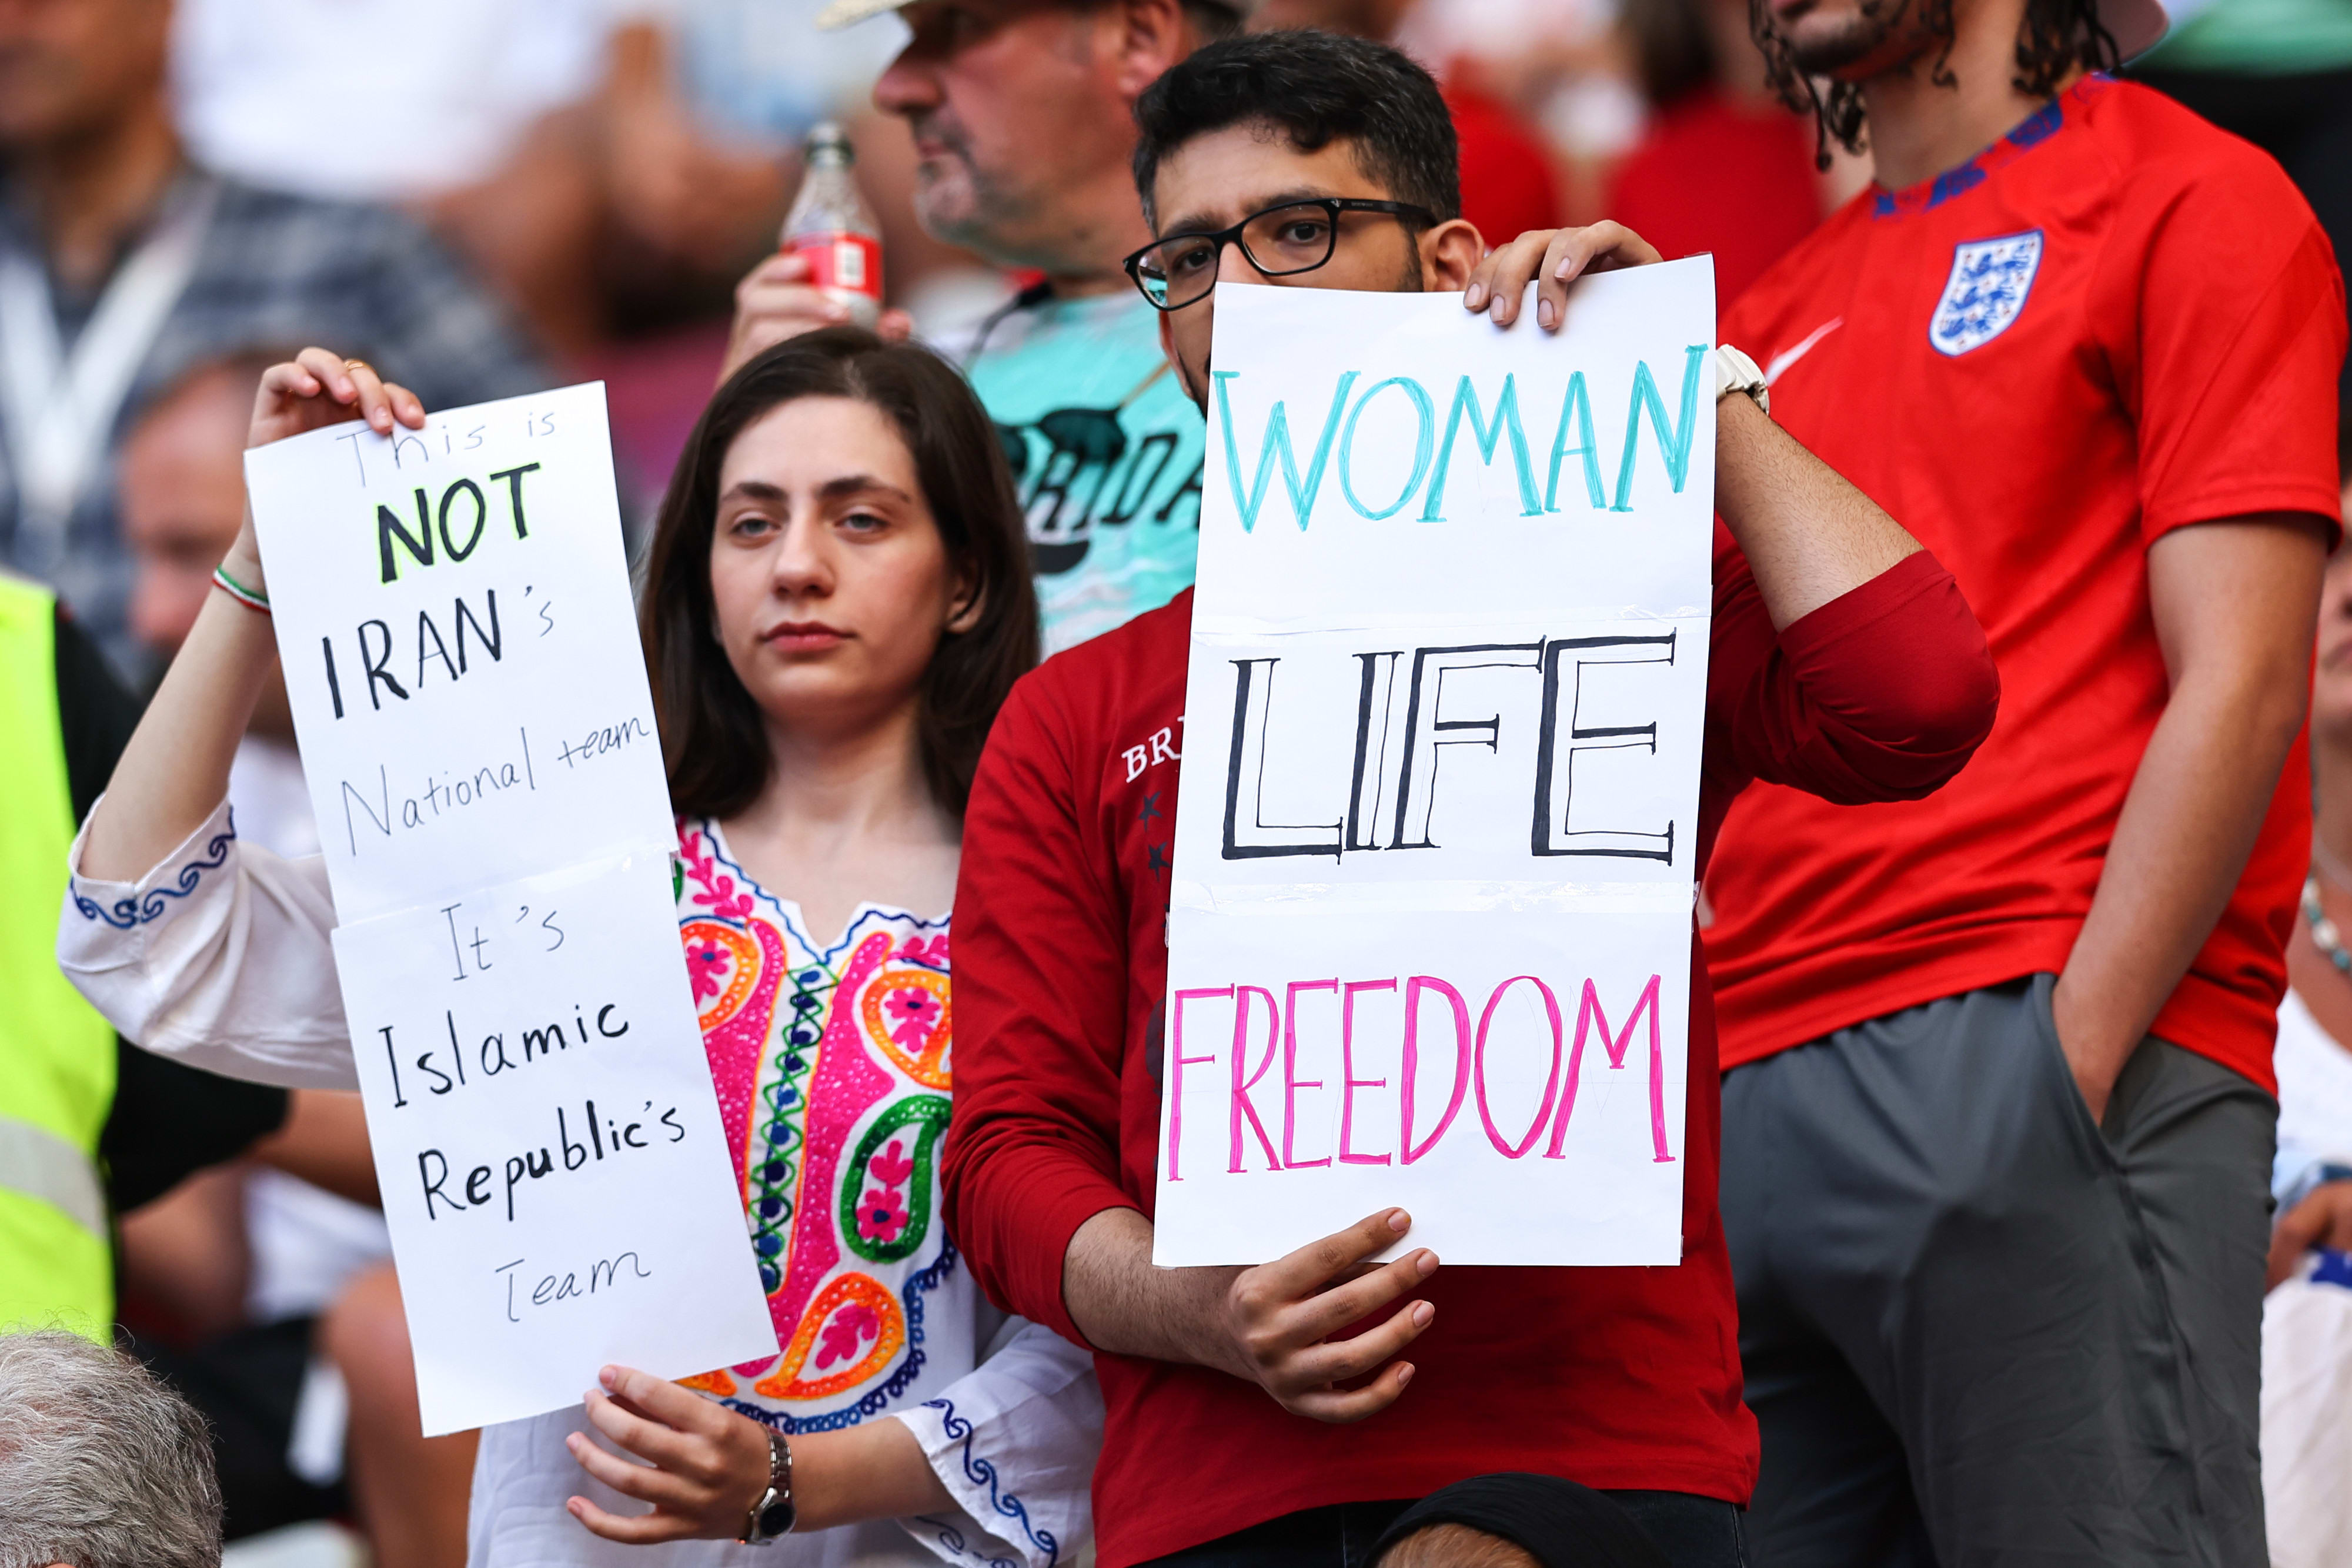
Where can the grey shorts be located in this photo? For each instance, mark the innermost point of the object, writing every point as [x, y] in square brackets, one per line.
[1980, 1328]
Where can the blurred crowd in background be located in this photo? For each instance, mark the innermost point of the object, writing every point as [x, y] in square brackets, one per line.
[489, 198]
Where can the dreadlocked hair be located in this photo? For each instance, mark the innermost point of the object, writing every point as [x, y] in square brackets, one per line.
[2055, 37]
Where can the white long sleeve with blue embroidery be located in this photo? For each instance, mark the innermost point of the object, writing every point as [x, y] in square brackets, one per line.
[221, 957]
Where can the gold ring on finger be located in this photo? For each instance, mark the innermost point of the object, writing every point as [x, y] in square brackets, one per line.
[359, 365]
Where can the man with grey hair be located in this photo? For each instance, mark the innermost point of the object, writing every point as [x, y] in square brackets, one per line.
[1022, 117]
[102, 1466]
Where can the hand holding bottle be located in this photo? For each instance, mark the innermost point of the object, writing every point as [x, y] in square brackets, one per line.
[828, 268]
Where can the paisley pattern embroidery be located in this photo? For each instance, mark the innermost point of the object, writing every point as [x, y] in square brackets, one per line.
[832, 1070]
[886, 1214]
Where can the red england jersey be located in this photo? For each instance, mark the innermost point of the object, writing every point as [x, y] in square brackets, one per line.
[1617, 1378]
[2116, 322]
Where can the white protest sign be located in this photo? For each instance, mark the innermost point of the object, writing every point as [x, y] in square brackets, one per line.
[1430, 923]
[453, 614]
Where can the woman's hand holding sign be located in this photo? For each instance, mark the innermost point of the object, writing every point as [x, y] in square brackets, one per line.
[175, 772]
[315, 388]
[702, 1466]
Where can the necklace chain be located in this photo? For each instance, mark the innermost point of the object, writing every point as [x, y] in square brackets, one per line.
[2324, 935]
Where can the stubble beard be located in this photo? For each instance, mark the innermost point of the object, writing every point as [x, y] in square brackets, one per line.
[960, 203]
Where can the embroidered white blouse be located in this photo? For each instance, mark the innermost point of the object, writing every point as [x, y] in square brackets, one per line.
[832, 1067]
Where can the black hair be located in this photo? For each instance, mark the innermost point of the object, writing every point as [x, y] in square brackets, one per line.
[1673, 52]
[1315, 88]
[714, 740]
[2052, 39]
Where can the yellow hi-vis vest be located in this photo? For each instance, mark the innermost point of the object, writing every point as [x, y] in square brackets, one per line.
[56, 1055]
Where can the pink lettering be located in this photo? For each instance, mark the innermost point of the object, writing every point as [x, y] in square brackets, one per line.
[1241, 1102]
[1588, 1011]
[1348, 1081]
[1551, 1084]
[1413, 990]
[1291, 1082]
[1177, 1063]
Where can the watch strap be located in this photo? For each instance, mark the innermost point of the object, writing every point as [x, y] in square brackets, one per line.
[1736, 372]
[772, 1512]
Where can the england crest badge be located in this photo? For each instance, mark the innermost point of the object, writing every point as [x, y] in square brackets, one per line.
[1989, 281]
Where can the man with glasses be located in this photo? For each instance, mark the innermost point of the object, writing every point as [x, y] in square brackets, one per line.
[1021, 115]
[1842, 660]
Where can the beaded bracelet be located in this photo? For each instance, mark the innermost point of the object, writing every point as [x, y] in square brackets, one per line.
[256, 602]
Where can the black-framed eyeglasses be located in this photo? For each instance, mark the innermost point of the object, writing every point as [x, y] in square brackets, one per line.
[1297, 236]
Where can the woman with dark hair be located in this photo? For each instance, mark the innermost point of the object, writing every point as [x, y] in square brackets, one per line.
[837, 601]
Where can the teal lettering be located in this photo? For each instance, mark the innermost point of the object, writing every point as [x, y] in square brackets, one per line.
[1578, 404]
[1675, 443]
[1428, 412]
[1507, 419]
[1277, 445]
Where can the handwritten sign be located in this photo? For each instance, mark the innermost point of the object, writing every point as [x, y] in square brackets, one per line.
[453, 614]
[1429, 922]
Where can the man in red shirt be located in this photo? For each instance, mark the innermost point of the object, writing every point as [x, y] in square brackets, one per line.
[1998, 1129]
[1842, 660]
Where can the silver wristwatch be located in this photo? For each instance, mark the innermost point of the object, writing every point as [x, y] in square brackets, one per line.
[1736, 372]
[773, 1513]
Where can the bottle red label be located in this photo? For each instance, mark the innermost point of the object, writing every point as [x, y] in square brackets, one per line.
[851, 262]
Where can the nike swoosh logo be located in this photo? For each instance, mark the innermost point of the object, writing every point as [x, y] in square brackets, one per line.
[1787, 357]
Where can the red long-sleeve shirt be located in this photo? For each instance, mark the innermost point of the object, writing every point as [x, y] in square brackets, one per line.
[1616, 1377]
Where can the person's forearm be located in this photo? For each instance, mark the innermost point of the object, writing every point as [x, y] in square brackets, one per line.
[324, 1140]
[873, 1471]
[2195, 808]
[1808, 535]
[1126, 1306]
[175, 772]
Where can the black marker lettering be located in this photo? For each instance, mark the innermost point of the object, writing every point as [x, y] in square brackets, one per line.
[397, 1101]
[433, 1182]
[419, 545]
[440, 650]
[481, 518]
[513, 476]
[491, 641]
[375, 663]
